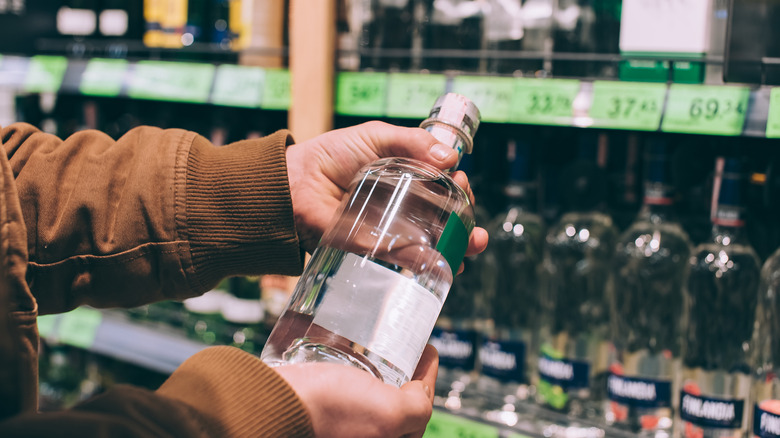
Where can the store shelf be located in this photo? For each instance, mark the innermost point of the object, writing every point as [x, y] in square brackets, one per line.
[192, 82]
[728, 110]
[115, 335]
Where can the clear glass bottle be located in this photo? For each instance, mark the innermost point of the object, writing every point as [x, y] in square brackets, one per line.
[722, 294]
[648, 279]
[508, 351]
[574, 333]
[373, 289]
[765, 394]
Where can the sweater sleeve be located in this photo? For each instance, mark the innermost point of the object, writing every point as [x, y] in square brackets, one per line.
[157, 214]
[219, 392]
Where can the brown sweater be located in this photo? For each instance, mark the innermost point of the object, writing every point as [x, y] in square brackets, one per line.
[156, 215]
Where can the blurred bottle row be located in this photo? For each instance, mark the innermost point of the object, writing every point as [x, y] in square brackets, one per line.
[661, 325]
[682, 40]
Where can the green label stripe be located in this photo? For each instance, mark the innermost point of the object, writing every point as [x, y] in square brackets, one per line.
[45, 73]
[79, 327]
[627, 105]
[702, 109]
[492, 95]
[453, 242]
[544, 101]
[103, 77]
[172, 81]
[773, 117]
[237, 85]
[413, 95]
[361, 94]
[276, 89]
[443, 425]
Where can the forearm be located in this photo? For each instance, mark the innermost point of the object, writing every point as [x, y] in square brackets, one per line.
[157, 214]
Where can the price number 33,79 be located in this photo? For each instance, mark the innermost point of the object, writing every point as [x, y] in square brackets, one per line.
[712, 109]
[548, 103]
[630, 107]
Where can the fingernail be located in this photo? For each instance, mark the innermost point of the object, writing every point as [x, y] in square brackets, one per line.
[441, 152]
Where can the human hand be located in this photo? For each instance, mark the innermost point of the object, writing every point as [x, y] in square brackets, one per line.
[321, 169]
[346, 402]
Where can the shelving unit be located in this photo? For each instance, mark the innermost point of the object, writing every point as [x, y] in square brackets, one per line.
[728, 110]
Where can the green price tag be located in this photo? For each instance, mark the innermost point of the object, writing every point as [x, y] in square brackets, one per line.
[79, 327]
[443, 425]
[103, 77]
[492, 95]
[627, 105]
[237, 85]
[702, 109]
[45, 74]
[46, 324]
[361, 94]
[773, 118]
[276, 90]
[544, 101]
[172, 81]
[413, 95]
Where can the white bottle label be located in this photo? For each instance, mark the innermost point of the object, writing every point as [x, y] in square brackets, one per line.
[387, 313]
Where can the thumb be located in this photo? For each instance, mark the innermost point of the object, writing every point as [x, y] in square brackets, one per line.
[394, 141]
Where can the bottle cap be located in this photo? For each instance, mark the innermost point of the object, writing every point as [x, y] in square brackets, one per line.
[457, 112]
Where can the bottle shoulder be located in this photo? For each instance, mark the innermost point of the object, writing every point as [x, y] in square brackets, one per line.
[660, 233]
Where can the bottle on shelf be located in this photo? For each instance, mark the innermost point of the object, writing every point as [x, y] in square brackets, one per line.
[574, 333]
[374, 287]
[647, 287]
[453, 26]
[508, 352]
[765, 391]
[204, 320]
[722, 295]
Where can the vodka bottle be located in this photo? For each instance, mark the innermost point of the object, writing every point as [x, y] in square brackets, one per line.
[765, 394]
[722, 294]
[648, 278]
[374, 287]
[508, 352]
[572, 363]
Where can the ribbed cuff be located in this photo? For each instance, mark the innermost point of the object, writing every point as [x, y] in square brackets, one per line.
[237, 211]
[238, 395]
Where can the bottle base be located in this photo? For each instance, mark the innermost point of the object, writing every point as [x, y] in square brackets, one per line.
[309, 350]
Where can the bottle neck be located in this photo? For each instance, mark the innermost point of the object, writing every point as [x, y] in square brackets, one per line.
[521, 195]
[658, 204]
[728, 224]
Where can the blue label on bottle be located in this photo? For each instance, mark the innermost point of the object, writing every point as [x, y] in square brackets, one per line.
[641, 393]
[711, 412]
[503, 360]
[566, 373]
[457, 348]
[765, 424]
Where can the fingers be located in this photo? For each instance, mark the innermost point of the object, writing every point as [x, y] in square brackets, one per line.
[478, 241]
[393, 141]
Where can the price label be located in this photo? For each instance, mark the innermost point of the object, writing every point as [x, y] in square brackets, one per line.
[45, 74]
[172, 81]
[544, 101]
[773, 117]
[236, 85]
[79, 327]
[701, 109]
[413, 95]
[46, 325]
[103, 77]
[627, 105]
[276, 89]
[492, 95]
[361, 94]
[444, 425]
